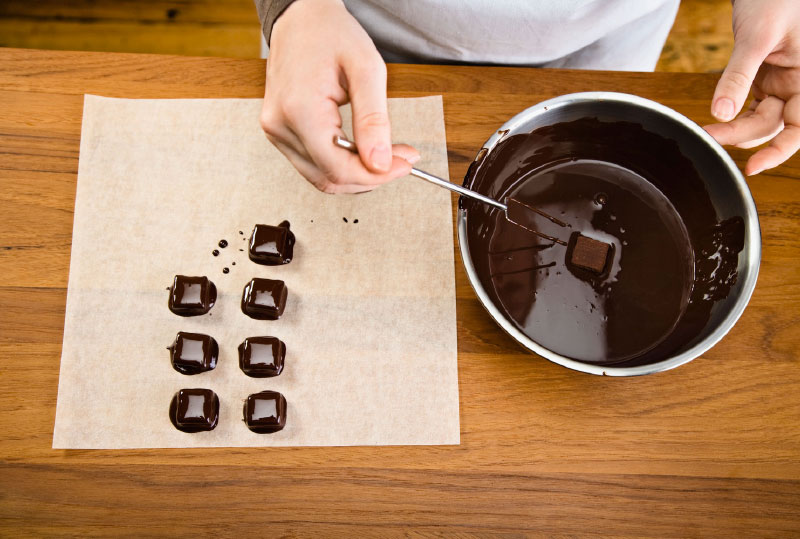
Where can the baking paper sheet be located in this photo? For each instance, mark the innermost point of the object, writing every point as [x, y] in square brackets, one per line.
[370, 321]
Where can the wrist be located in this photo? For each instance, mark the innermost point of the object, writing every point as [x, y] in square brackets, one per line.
[301, 9]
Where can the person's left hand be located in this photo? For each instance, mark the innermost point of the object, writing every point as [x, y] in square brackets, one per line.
[766, 56]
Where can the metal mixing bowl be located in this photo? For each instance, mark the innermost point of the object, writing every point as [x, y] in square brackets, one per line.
[729, 193]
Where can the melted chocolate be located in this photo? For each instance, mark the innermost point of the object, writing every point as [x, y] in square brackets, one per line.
[194, 410]
[191, 296]
[262, 357]
[272, 245]
[265, 412]
[616, 183]
[193, 353]
[264, 299]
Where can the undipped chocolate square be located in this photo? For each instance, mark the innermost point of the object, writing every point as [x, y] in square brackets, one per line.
[191, 296]
[193, 353]
[194, 410]
[264, 299]
[272, 245]
[588, 253]
[265, 412]
[262, 357]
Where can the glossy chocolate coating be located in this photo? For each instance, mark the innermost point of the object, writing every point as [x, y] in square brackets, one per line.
[262, 357]
[191, 296]
[671, 255]
[194, 410]
[193, 353]
[264, 299]
[272, 245]
[265, 412]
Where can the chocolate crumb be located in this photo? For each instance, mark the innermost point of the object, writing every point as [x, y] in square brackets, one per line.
[241, 233]
[225, 270]
[355, 221]
[215, 252]
[233, 263]
[223, 243]
[344, 219]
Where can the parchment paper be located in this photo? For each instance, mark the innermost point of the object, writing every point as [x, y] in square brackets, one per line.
[370, 322]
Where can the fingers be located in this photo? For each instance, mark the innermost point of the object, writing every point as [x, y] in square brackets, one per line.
[366, 83]
[310, 171]
[409, 153]
[753, 127]
[734, 85]
[340, 166]
[783, 146]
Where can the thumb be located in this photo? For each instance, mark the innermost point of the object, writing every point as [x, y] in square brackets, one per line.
[734, 85]
[367, 88]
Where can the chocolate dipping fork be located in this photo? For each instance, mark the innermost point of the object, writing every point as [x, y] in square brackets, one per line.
[516, 212]
[582, 251]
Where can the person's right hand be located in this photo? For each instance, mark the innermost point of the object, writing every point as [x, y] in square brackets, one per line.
[320, 58]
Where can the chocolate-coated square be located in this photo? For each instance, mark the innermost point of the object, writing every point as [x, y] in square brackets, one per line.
[265, 412]
[588, 253]
[194, 410]
[264, 299]
[262, 357]
[191, 296]
[193, 353]
[272, 245]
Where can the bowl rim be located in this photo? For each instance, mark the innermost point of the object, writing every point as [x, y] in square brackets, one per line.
[753, 231]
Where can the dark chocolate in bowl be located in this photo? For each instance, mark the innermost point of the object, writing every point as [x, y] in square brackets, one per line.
[635, 183]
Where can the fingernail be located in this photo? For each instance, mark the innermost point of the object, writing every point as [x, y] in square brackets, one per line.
[756, 172]
[413, 159]
[723, 109]
[381, 157]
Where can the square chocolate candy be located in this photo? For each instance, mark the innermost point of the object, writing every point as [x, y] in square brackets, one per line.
[262, 357]
[264, 299]
[193, 353]
[265, 412]
[272, 245]
[191, 296]
[588, 254]
[194, 410]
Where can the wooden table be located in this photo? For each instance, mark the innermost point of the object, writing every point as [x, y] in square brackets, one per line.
[711, 448]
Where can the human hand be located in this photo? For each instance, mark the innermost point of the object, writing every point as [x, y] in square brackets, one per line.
[320, 57]
[766, 56]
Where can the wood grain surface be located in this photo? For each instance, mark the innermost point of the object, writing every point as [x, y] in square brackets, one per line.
[709, 449]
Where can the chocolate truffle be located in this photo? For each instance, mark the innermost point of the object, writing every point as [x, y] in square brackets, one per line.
[262, 357]
[265, 412]
[194, 410]
[191, 296]
[272, 245]
[193, 353]
[264, 299]
[589, 254]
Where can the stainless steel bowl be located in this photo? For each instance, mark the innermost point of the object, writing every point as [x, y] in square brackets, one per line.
[726, 186]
